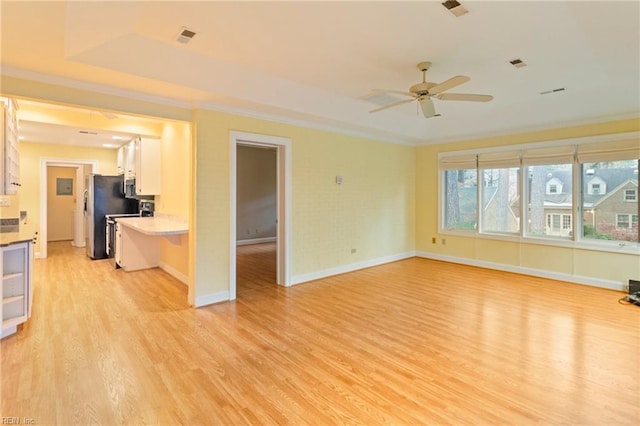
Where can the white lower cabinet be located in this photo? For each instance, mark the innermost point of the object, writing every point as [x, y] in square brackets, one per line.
[135, 250]
[17, 295]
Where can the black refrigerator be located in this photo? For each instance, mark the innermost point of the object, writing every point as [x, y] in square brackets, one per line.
[103, 195]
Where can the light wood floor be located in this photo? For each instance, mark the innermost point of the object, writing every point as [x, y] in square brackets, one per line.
[255, 268]
[411, 342]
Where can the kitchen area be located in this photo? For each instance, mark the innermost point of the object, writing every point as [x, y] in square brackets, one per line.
[120, 217]
[133, 198]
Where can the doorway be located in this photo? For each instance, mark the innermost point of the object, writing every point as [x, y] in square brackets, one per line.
[281, 148]
[81, 168]
[256, 218]
[62, 199]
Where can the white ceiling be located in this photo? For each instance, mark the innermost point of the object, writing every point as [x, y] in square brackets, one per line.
[40, 125]
[313, 62]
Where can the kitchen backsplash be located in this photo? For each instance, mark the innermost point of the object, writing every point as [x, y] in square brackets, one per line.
[9, 225]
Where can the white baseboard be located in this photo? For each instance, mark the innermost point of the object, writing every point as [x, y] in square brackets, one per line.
[560, 276]
[211, 298]
[256, 241]
[303, 278]
[174, 273]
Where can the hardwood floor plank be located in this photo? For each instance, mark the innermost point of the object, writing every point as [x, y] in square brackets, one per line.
[411, 342]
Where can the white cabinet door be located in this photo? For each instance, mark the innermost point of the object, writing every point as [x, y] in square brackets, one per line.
[118, 245]
[120, 161]
[129, 154]
[137, 250]
[148, 174]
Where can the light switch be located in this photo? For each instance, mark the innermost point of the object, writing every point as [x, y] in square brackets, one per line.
[339, 180]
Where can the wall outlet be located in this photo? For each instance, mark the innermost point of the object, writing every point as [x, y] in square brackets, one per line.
[434, 240]
[5, 202]
[444, 241]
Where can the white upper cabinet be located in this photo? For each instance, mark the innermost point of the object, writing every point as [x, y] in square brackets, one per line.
[9, 148]
[147, 166]
[120, 161]
[129, 159]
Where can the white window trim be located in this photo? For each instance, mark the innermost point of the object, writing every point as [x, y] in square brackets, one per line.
[575, 240]
[630, 200]
[629, 220]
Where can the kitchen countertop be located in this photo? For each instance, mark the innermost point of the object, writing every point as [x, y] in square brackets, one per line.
[156, 226]
[9, 238]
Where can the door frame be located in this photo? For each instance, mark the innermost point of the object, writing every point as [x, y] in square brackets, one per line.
[59, 162]
[284, 205]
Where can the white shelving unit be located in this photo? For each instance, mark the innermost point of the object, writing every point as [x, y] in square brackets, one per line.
[15, 264]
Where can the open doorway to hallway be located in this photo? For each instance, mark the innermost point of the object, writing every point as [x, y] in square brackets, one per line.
[281, 147]
[256, 217]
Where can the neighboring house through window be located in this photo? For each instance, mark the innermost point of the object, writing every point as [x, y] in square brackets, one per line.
[597, 186]
[554, 186]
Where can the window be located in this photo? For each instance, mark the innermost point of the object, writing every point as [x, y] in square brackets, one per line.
[610, 216]
[622, 221]
[558, 224]
[460, 189]
[499, 174]
[596, 185]
[461, 197]
[555, 202]
[546, 191]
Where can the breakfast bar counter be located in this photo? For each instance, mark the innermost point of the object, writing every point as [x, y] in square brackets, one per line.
[138, 240]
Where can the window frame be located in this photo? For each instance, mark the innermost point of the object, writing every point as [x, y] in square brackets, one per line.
[584, 150]
[628, 220]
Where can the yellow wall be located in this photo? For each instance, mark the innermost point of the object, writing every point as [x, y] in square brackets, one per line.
[30, 158]
[175, 199]
[562, 260]
[373, 211]
[387, 205]
[13, 209]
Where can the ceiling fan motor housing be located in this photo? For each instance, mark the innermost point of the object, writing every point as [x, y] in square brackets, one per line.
[421, 88]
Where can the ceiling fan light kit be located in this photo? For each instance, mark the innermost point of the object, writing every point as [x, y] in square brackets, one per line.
[424, 91]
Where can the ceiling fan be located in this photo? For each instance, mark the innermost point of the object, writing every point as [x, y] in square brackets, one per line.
[425, 91]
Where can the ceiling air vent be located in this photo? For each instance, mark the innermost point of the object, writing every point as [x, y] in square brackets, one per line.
[455, 7]
[518, 63]
[185, 35]
[546, 92]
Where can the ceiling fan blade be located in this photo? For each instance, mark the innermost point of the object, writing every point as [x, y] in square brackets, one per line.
[464, 97]
[448, 84]
[404, 101]
[428, 110]
[398, 92]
